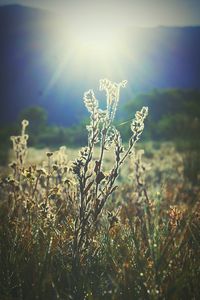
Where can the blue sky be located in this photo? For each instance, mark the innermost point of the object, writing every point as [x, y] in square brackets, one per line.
[128, 12]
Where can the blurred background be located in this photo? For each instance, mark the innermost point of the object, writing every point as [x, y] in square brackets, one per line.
[51, 52]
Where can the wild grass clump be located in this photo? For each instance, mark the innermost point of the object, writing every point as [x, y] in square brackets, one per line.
[69, 230]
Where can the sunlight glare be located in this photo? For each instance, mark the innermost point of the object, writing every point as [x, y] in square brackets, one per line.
[90, 46]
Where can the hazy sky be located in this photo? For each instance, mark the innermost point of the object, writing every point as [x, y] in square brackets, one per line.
[127, 12]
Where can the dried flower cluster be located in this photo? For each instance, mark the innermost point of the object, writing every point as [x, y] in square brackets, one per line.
[20, 144]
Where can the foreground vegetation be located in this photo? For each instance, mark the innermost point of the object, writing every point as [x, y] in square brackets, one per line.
[100, 226]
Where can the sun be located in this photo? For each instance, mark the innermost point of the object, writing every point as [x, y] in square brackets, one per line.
[93, 43]
[88, 45]
[97, 41]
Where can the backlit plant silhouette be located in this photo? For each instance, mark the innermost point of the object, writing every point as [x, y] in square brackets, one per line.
[94, 186]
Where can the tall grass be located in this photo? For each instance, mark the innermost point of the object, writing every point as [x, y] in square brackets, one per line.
[70, 230]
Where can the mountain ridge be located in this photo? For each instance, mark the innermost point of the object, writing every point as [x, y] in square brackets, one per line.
[169, 59]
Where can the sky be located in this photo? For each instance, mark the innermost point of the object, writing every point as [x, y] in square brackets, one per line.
[127, 12]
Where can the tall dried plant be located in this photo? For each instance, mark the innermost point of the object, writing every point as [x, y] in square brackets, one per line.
[94, 185]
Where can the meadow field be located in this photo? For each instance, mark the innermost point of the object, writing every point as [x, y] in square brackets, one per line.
[107, 221]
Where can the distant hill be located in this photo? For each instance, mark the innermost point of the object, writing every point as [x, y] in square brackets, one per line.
[170, 58]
